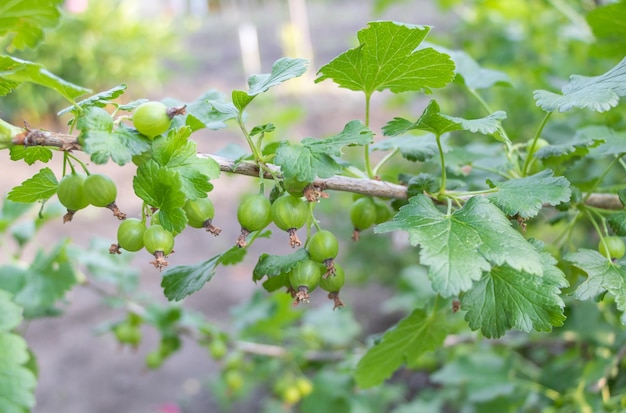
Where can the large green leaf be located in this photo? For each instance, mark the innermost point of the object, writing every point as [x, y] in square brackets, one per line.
[388, 58]
[412, 147]
[597, 93]
[24, 20]
[460, 246]
[14, 71]
[161, 188]
[525, 197]
[178, 153]
[505, 298]
[404, 343]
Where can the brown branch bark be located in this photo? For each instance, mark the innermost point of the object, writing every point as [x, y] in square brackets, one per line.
[370, 187]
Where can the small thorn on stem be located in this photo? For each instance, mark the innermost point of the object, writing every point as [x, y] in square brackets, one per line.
[115, 249]
[336, 300]
[116, 211]
[209, 227]
[294, 241]
[313, 193]
[241, 240]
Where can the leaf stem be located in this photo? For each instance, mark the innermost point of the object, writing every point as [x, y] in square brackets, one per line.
[531, 149]
[601, 177]
[442, 188]
[384, 160]
[366, 148]
[487, 108]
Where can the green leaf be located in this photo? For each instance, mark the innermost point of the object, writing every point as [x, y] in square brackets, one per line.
[483, 375]
[10, 313]
[472, 74]
[607, 25]
[432, 120]
[208, 111]
[30, 154]
[273, 265]
[412, 147]
[459, 247]
[233, 256]
[525, 197]
[183, 280]
[24, 20]
[17, 381]
[505, 298]
[602, 276]
[617, 222]
[282, 70]
[99, 138]
[100, 99]
[387, 58]
[160, 187]
[559, 156]
[39, 187]
[46, 281]
[241, 99]
[614, 141]
[179, 154]
[597, 93]
[405, 343]
[14, 71]
[314, 157]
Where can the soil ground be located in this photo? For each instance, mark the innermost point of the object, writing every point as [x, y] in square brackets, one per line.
[81, 372]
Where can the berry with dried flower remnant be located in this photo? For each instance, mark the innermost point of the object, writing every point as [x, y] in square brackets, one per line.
[363, 215]
[253, 214]
[160, 243]
[304, 278]
[290, 213]
[101, 191]
[71, 194]
[200, 213]
[323, 247]
[333, 285]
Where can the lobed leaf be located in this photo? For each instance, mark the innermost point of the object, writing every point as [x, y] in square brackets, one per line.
[14, 71]
[526, 196]
[388, 58]
[472, 74]
[613, 143]
[433, 121]
[99, 138]
[282, 70]
[30, 154]
[404, 343]
[314, 157]
[161, 188]
[597, 93]
[603, 276]
[179, 154]
[459, 247]
[39, 187]
[505, 298]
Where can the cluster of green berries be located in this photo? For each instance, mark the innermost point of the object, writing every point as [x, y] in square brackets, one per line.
[77, 191]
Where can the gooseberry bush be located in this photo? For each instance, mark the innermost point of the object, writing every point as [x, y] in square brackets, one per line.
[514, 288]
